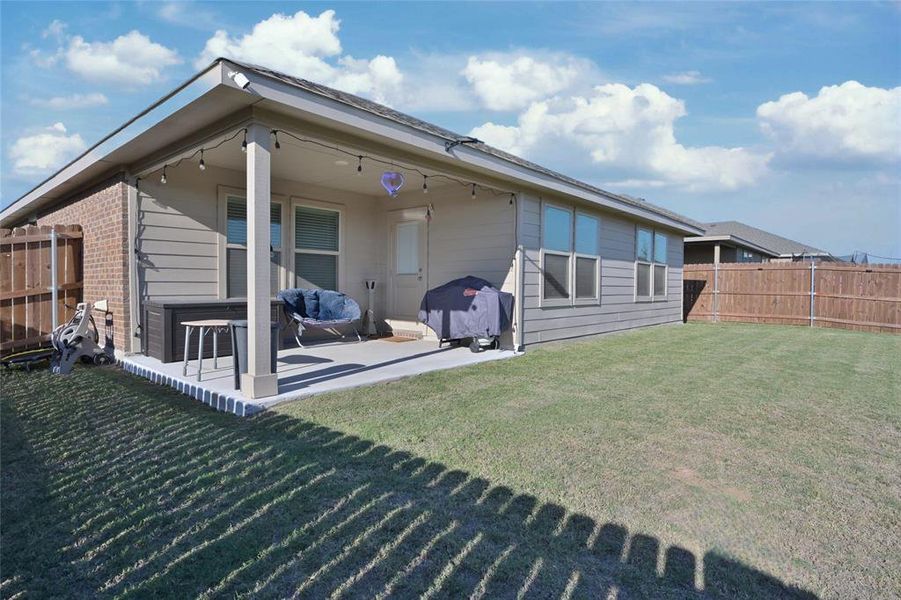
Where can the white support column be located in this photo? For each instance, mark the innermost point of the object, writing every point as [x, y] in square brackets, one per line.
[259, 381]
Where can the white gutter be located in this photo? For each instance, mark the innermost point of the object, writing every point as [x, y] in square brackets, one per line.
[285, 93]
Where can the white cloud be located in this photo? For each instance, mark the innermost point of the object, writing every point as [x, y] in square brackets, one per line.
[849, 122]
[56, 29]
[73, 101]
[131, 60]
[300, 45]
[45, 150]
[513, 81]
[686, 78]
[628, 130]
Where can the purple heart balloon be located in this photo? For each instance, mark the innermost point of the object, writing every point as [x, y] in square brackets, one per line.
[392, 181]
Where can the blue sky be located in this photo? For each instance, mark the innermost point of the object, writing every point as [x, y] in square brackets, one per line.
[784, 116]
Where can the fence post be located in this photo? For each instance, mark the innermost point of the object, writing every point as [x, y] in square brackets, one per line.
[813, 271]
[716, 292]
[54, 282]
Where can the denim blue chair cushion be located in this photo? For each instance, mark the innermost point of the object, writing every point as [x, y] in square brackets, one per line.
[319, 309]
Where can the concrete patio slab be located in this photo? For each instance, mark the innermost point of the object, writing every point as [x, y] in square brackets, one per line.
[312, 370]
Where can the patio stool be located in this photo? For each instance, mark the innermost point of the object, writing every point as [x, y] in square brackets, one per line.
[208, 325]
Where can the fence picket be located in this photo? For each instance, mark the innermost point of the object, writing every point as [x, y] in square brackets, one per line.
[26, 298]
[860, 297]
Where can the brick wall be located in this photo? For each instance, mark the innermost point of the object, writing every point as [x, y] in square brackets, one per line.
[102, 212]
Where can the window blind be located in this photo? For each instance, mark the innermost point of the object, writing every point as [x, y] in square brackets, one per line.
[316, 270]
[316, 229]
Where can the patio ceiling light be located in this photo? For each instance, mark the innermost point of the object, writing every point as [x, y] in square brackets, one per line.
[493, 191]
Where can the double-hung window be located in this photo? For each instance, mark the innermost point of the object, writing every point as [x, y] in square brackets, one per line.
[236, 247]
[316, 247]
[587, 258]
[650, 265]
[570, 257]
[557, 245]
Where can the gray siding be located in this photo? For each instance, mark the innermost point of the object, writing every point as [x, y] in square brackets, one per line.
[617, 309]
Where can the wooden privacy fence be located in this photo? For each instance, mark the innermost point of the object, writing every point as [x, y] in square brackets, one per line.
[34, 297]
[860, 297]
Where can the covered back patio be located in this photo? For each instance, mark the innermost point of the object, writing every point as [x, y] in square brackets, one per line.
[275, 199]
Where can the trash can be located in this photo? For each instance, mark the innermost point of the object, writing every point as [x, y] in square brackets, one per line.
[239, 347]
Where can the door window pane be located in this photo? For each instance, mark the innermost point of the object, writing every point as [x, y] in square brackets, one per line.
[557, 229]
[660, 248]
[406, 248]
[586, 234]
[586, 277]
[556, 276]
[659, 280]
[316, 270]
[643, 245]
[643, 280]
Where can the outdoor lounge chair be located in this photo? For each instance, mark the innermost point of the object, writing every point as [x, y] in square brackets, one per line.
[318, 309]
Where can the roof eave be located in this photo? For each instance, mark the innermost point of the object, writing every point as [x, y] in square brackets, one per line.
[730, 238]
[201, 82]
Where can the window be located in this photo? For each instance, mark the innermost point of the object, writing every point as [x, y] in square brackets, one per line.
[587, 259]
[747, 256]
[570, 263]
[236, 247]
[650, 265]
[316, 247]
[557, 249]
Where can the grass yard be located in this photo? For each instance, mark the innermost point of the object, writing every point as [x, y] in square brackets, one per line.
[702, 461]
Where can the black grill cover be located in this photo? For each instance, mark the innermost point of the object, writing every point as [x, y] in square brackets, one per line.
[466, 307]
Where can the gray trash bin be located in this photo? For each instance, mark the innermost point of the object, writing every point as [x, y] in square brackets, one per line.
[239, 347]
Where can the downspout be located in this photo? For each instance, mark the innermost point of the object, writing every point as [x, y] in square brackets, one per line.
[134, 301]
[519, 298]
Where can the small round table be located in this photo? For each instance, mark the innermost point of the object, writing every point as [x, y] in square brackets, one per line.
[208, 325]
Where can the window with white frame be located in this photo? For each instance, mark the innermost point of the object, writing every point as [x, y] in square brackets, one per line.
[236, 247]
[316, 247]
[650, 265]
[557, 240]
[587, 257]
[570, 258]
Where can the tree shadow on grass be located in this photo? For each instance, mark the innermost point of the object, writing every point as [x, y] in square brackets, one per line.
[148, 494]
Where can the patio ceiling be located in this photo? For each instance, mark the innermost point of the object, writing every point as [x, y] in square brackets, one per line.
[299, 161]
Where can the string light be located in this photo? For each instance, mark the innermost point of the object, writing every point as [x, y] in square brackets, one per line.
[425, 177]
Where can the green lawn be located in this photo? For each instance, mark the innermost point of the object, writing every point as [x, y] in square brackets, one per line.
[693, 461]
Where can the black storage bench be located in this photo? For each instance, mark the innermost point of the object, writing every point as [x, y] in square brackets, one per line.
[164, 339]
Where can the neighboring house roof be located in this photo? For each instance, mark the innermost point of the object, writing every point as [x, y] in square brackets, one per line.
[210, 87]
[741, 233]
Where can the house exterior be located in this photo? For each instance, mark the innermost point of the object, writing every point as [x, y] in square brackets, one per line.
[244, 181]
[736, 242]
